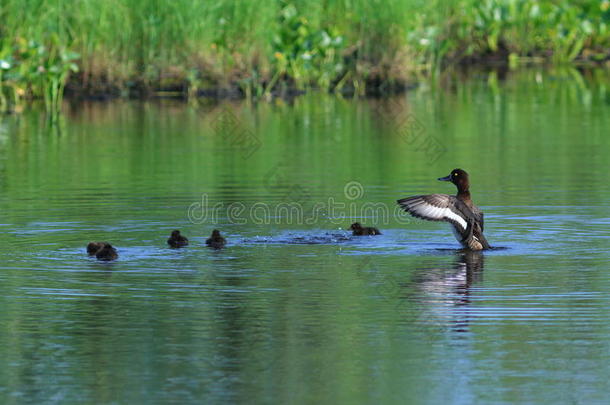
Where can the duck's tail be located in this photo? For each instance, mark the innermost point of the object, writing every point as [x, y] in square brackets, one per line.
[473, 238]
[483, 241]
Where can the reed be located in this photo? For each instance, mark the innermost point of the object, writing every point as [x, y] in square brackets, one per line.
[126, 46]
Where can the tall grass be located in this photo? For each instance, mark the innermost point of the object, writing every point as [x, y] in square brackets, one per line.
[260, 46]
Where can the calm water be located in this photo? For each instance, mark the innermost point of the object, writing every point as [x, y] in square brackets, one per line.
[295, 310]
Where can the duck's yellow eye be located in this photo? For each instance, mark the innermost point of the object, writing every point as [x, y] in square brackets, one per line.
[455, 174]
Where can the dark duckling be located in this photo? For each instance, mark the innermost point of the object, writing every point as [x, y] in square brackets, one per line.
[359, 230]
[93, 247]
[216, 241]
[107, 253]
[176, 240]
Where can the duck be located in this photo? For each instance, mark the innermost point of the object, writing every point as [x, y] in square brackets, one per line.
[106, 253]
[466, 219]
[216, 241]
[359, 230]
[176, 240]
[93, 247]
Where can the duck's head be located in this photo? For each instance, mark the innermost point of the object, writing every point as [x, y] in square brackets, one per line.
[458, 177]
[215, 233]
[355, 226]
[93, 247]
[176, 234]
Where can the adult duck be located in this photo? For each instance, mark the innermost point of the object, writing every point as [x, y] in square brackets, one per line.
[466, 219]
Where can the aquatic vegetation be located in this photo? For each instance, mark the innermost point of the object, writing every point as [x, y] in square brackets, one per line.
[559, 31]
[306, 54]
[29, 69]
[255, 48]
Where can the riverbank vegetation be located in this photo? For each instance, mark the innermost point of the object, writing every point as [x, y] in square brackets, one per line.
[186, 48]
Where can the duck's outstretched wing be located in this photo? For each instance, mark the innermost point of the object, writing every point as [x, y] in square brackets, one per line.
[438, 207]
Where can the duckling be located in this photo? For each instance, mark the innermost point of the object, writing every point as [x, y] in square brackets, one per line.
[93, 247]
[177, 240]
[359, 230]
[107, 253]
[216, 241]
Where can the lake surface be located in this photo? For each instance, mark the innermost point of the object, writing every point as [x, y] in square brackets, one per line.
[295, 309]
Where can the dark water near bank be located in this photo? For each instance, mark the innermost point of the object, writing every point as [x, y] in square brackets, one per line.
[295, 310]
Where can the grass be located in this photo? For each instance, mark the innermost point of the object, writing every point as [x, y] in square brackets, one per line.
[256, 47]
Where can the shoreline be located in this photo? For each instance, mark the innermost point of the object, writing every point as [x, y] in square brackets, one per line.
[179, 90]
[76, 90]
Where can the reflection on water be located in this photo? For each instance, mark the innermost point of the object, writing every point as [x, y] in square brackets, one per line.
[300, 312]
[445, 292]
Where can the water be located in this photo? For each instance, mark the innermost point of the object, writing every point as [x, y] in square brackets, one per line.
[295, 309]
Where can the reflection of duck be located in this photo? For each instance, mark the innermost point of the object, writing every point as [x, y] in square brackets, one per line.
[465, 218]
[216, 241]
[466, 269]
[176, 240]
[359, 230]
[452, 286]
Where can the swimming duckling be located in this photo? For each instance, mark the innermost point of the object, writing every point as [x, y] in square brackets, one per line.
[359, 230]
[93, 247]
[107, 253]
[177, 240]
[216, 241]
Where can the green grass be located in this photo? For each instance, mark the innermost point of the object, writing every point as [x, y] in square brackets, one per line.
[261, 46]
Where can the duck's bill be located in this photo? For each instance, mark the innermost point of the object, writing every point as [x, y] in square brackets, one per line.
[446, 178]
